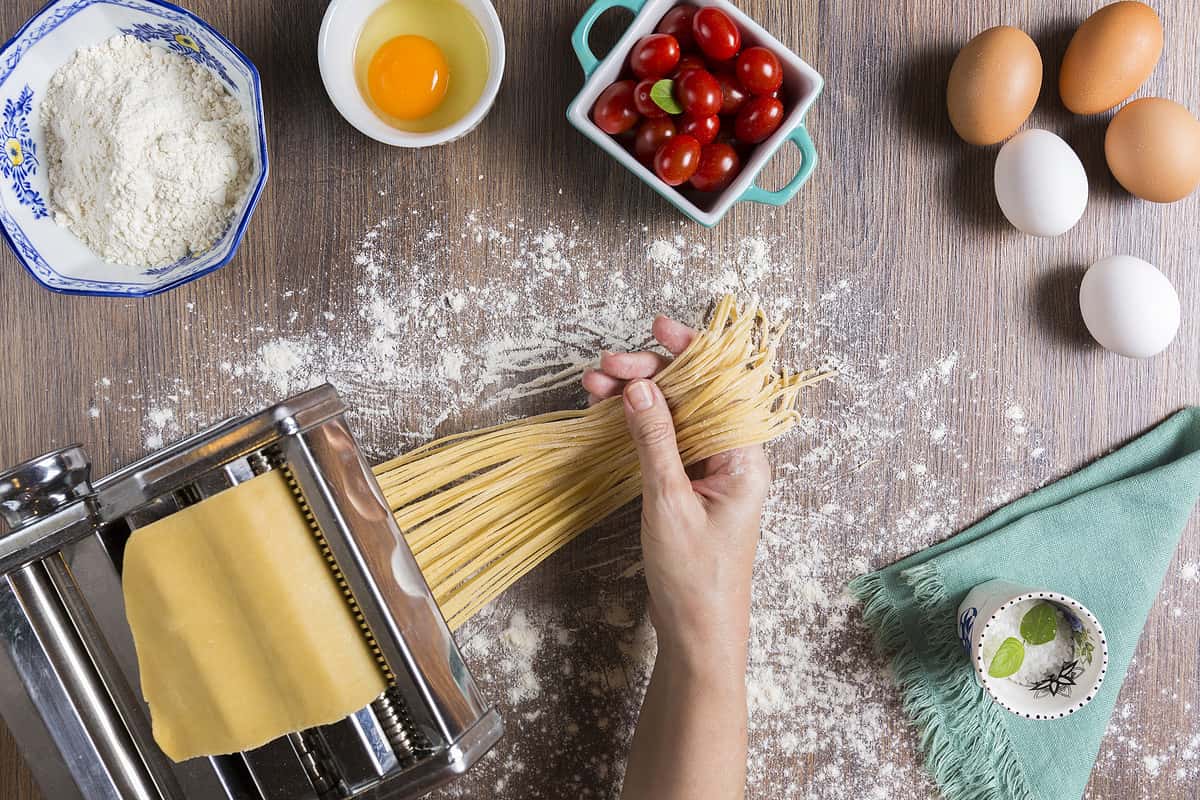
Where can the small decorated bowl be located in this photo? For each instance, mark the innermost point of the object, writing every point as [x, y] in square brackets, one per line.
[802, 84]
[51, 253]
[1039, 654]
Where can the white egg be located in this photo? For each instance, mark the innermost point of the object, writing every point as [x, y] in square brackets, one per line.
[1129, 306]
[1040, 183]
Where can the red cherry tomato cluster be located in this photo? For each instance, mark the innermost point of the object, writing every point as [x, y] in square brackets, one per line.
[696, 101]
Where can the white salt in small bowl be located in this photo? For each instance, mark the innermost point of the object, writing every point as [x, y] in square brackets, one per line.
[53, 255]
[340, 29]
[989, 614]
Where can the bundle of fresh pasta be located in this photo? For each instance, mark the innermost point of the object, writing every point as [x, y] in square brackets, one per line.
[482, 509]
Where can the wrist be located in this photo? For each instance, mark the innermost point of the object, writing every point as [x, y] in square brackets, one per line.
[702, 627]
[711, 656]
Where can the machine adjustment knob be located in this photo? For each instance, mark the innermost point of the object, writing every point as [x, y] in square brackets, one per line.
[43, 485]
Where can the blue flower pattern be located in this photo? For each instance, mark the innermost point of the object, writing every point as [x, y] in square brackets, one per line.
[19, 161]
[179, 39]
[183, 263]
[965, 624]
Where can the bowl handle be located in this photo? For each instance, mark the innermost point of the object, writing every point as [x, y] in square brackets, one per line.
[579, 39]
[803, 141]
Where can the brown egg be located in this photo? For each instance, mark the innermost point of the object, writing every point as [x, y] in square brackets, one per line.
[1153, 149]
[994, 84]
[1109, 57]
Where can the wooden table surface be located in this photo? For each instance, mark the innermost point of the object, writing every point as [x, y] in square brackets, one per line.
[967, 377]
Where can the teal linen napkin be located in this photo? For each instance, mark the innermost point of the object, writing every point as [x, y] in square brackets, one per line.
[1105, 536]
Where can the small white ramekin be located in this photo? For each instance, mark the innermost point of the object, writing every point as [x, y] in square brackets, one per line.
[980, 609]
[343, 23]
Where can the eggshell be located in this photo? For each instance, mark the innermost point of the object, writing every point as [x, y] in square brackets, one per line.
[1129, 306]
[1153, 149]
[1040, 183]
[994, 85]
[1110, 56]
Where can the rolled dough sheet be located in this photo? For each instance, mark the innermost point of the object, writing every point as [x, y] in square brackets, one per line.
[242, 634]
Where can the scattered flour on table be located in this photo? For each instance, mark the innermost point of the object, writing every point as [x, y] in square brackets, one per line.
[523, 641]
[880, 467]
[148, 153]
[665, 254]
[279, 360]
[1167, 769]
[160, 422]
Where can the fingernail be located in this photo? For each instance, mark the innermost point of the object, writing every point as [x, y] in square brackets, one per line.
[640, 396]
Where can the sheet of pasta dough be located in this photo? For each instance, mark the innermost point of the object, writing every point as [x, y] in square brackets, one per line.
[242, 634]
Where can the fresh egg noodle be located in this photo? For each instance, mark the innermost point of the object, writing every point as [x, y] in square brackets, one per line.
[481, 509]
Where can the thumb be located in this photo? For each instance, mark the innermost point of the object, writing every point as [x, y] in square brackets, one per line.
[653, 432]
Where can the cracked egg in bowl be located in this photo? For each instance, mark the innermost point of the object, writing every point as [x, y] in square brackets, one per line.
[412, 73]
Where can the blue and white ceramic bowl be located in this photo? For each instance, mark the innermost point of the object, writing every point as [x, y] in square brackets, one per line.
[50, 252]
[1068, 686]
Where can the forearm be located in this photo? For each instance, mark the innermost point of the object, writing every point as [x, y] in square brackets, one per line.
[690, 742]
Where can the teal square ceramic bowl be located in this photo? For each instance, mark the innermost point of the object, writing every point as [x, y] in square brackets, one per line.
[802, 82]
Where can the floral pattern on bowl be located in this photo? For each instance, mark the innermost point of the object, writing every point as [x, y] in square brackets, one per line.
[179, 40]
[49, 252]
[20, 161]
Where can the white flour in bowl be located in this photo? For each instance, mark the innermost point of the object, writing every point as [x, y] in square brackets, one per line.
[148, 154]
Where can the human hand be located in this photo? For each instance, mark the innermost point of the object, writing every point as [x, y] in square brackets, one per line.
[699, 535]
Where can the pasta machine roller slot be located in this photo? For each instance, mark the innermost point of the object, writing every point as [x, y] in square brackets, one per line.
[69, 679]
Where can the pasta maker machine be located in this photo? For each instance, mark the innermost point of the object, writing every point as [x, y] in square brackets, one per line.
[69, 685]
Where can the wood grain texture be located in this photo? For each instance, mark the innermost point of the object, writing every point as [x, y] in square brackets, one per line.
[899, 207]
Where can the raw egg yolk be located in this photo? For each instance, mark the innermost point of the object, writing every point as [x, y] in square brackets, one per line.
[408, 77]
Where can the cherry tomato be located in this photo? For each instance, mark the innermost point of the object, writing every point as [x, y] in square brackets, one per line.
[615, 111]
[644, 103]
[759, 71]
[732, 93]
[689, 62]
[654, 56]
[704, 129]
[678, 23]
[758, 119]
[699, 93]
[651, 135]
[719, 165]
[716, 34]
[677, 159]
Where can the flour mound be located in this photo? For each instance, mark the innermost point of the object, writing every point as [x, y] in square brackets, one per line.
[149, 155]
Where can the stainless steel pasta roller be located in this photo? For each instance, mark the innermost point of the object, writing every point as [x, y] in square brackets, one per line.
[69, 674]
